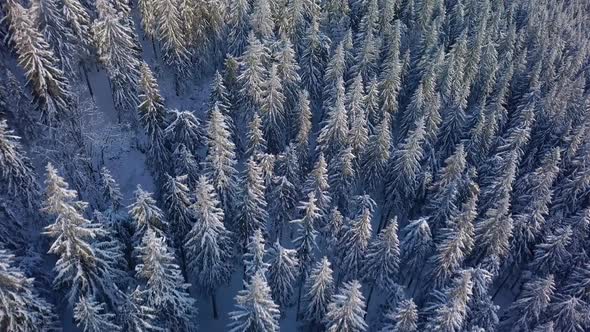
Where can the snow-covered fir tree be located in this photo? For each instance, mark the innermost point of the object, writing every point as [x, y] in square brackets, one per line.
[208, 244]
[90, 316]
[254, 260]
[146, 215]
[319, 289]
[282, 272]
[163, 286]
[252, 204]
[404, 318]
[347, 311]
[255, 309]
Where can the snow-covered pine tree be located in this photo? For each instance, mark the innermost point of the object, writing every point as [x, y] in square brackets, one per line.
[449, 309]
[416, 246]
[288, 72]
[78, 19]
[314, 57]
[261, 21]
[146, 215]
[90, 316]
[257, 144]
[347, 312]
[84, 267]
[50, 86]
[305, 242]
[334, 133]
[552, 254]
[252, 75]
[319, 289]
[152, 116]
[22, 308]
[376, 157]
[368, 42]
[111, 192]
[239, 25]
[135, 315]
[220, 161]
[442, 194]
[208, 244]
[255, 309]
[335, 69]
[252, 214]
[273, 111]
[341, 178]
[354, 244]
[283, 198]
[163, 285]
[403, 318]
[383, 259]
[304, 127]
[456, 241]
[185, 128]
[318, 183]
[118, 51]
[391, 73]
[177, 204]
[147, 14]
[569, 313]
[525, 312]
[332, 230]
[185, 163]
[254, 255]
[17, 171]
[282, 272]
[355, 105]
[171, 32]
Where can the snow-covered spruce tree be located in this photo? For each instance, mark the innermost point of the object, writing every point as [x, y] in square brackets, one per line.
[16, 170]
[171, 33]
[552, 254]
[383, 259]
[163, 285]
[402, 178]
[84, 266]
[257, 144]
[208, 244]
[146, 215]
[376, 157]
[443, 193]
[336, 18]
[283, 199]
[220, 161]
[185, 163]
[135, 315]
[239, 25]
[22, 308]
[531, 205]
[261, 21]
[347, 312]
[147, 14]
[569, 313]
[50, 86]
[185, 128]
[48, 16]
[118, 51]
[334, 133]
[357, 118]
[391, 73]
[254, 255]
[332, 230]
[335, 69]
[90, 316]
[318, 183]
[319, 289]
[305, 242]
[403, 318]
[354, 244]
[288, 72]
[111, 192]
[373, 104]
[525, 312]
[368, 42]
[252, 76]
[314, 57]
[416, 246]
[273, 111]
[456, 241]
[251, 205]
[341, 178]
[255, 309]
[282, 272]
[449, 308]
[177, 202]
[304, 127]
[78, 19]
[220, 95]
[152, 116]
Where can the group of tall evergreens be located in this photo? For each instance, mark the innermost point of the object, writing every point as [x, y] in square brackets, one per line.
[424, 159]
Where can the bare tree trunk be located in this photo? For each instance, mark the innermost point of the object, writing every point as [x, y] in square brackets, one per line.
[299, 300]
[214, 306]
[85, 72]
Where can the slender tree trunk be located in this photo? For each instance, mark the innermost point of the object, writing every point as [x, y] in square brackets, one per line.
[154, 48]
[183, 263]
[85, 72]
[299, 300]
[369, 296]
[214, 305]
